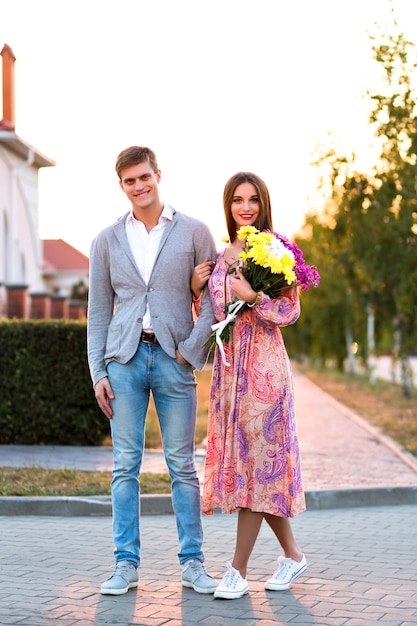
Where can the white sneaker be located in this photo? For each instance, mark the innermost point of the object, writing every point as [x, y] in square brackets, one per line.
[232, 585]
[288, 570]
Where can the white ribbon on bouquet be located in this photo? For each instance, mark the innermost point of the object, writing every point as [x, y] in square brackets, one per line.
[233, 310]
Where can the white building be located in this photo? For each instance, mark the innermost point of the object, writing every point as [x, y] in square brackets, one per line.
[22, 260]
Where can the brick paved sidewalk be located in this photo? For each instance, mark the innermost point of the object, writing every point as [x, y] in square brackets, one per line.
[362, 570]
[340, 450]
[362, 559]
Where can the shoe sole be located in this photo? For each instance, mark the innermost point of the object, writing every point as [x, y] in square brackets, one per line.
[118, 592]
[228, 595]
[271, 586]
[185, 583]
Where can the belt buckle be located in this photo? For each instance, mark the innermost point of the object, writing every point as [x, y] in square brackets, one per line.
[148, 337]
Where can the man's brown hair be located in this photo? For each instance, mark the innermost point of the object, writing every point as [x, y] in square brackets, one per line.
[133, 156]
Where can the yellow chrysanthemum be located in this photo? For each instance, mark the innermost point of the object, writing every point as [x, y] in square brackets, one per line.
[265, 238]
[245, 231]
[266, 257]
[260, 255]
[281, 265]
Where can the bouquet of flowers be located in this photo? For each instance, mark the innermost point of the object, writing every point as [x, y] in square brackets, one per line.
[270, 263]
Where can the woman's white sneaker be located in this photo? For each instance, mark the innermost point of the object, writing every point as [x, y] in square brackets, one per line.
[232, 586]
[288, 570]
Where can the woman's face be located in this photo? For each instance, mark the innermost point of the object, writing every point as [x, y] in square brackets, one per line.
[245, 205]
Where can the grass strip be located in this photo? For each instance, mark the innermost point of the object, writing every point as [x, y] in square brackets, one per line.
[38, 481]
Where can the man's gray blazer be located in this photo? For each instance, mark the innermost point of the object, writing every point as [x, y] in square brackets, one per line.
[118, 295]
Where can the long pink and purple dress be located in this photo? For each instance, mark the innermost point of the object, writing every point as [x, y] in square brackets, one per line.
[253, 458]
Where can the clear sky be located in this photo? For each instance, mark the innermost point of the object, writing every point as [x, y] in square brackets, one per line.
[212, 87]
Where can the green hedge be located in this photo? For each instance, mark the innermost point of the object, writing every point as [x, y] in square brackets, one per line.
[46, 391]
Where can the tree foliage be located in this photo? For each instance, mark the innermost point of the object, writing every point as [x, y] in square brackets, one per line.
[365, 242]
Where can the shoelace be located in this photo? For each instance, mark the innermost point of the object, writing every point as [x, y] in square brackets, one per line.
[198, 569]
[231, 577]
[197, 566]
[122, 570]
[284, 567]
[202, 568]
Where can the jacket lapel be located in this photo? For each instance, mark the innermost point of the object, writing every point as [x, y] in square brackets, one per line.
[124, 247]
[169, 226]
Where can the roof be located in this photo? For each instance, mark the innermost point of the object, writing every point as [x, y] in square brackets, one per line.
[59, 255]
[22, 148]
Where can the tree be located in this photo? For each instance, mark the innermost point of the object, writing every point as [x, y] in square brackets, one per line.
[394, 117]
[371, 236]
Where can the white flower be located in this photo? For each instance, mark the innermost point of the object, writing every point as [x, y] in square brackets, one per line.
[278, 249]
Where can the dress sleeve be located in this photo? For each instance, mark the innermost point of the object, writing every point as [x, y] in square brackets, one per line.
[281, 311]
[216, 285]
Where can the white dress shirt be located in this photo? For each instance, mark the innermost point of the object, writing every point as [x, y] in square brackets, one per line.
[145, 247]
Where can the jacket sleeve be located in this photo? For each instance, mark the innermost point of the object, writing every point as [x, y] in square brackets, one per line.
[100, 308]
[191, 348]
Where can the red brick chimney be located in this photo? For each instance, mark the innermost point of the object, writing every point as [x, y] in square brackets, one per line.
[8, 121]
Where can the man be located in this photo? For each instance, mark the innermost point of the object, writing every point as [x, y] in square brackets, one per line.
[142, 338]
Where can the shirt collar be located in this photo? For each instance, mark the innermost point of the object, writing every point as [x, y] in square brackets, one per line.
[166, 215]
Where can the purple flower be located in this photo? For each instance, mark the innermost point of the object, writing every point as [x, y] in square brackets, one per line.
[307, 275]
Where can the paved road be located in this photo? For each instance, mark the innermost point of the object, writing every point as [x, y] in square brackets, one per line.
[362, 553]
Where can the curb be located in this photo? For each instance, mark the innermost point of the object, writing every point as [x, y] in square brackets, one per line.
[74, 506]
[161, 504]
[350, 498]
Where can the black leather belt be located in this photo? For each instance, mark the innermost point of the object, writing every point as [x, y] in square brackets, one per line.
[147, 337]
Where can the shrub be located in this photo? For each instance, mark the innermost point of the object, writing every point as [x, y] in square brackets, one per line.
[47, 395]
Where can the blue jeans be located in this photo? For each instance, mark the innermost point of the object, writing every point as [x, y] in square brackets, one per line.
[173, 388]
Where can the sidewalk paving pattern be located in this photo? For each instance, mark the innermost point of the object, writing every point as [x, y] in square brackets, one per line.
[362, 554]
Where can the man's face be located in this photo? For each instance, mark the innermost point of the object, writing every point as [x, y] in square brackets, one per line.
[140, 184]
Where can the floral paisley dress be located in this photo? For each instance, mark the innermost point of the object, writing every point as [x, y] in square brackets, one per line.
[253, 456]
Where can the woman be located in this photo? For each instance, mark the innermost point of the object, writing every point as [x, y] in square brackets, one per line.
[252, 462]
